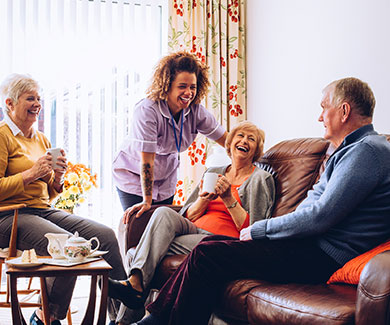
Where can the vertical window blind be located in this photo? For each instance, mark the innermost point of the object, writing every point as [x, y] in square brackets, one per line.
[93, 60]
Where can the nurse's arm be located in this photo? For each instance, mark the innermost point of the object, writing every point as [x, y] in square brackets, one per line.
[147, 178]
[221, 140]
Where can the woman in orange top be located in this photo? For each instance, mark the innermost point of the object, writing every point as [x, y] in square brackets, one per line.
[243, 194]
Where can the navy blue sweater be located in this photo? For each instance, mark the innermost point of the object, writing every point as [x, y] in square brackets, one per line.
[348, 210]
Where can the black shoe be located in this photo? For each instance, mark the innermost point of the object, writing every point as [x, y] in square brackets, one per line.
[132, 298]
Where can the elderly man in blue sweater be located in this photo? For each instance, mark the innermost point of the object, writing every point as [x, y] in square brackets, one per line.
[346, 214]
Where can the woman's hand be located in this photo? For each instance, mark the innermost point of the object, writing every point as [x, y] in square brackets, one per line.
[206, 195]
[223, 188]
[138, 208]
[63, 163]
[40, 169]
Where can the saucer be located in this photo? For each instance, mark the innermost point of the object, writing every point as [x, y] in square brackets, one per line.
[98, 253]
[17, 262]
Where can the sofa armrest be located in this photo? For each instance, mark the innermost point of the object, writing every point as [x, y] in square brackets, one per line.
[136, 226]
[373, 292]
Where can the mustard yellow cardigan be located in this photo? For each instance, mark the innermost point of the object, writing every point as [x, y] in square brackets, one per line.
[17, 154]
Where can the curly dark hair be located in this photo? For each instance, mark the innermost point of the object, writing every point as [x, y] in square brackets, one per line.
[167, 69]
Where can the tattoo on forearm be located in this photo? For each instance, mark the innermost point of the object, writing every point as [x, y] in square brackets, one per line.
[147, 179]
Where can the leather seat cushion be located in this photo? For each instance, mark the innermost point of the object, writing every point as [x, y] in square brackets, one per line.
[301, 304]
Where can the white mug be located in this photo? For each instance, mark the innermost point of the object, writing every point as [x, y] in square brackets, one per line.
[55, 153]
[209, 182]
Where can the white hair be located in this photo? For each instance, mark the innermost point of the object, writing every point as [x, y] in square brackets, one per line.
[14, 86]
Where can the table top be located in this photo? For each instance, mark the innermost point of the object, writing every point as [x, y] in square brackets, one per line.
[95, 267]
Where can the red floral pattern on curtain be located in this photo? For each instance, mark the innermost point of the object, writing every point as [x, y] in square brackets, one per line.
[214, 30]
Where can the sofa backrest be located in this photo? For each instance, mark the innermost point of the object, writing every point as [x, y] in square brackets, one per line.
[296, 165]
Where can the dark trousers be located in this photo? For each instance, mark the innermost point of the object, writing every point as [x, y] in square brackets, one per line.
[192, 292]
[128, 200]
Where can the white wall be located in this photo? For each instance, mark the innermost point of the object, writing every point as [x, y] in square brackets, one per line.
[296, 47]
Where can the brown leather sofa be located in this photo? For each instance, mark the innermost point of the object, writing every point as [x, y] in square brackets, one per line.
[296, 165]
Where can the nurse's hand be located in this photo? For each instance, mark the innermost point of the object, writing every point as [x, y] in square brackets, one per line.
[138, 208]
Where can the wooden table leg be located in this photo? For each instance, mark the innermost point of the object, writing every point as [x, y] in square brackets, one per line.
[103, 299]
[90, 312]
[45, 301]
[17, 316]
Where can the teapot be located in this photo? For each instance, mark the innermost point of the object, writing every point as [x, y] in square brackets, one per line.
[56, 244]
[77, 248]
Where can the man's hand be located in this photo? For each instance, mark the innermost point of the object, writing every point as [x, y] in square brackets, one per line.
[245, 234]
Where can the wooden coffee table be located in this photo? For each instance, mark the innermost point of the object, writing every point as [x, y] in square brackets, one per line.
[94, 269]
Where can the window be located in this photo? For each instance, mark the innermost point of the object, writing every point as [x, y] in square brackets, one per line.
[93, 60]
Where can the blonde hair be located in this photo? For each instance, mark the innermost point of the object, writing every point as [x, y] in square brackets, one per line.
[167, 69]
[15, 85]
[247, 126]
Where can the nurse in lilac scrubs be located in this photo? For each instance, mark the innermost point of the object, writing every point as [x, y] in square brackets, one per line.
[164, 124]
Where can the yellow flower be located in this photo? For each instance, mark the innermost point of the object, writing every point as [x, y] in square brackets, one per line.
[72, 177]
[60, 204]
[78, 181]
[74, 190]
[69, 203]
[84, 177]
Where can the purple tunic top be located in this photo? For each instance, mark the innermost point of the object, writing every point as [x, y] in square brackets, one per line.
[152, 131]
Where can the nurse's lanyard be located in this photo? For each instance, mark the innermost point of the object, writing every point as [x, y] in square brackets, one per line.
[178, 143]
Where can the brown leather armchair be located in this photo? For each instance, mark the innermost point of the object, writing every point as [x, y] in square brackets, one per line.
[296, 165]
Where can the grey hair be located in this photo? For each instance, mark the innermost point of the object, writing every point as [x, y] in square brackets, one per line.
[14, 86]
[357, 93]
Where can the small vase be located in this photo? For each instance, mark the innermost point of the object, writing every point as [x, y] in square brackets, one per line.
[70, 210]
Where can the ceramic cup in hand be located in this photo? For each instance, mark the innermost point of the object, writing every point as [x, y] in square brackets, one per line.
[55, 153]
[209, 182]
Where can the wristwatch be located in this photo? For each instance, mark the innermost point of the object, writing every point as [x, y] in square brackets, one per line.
[233, 205]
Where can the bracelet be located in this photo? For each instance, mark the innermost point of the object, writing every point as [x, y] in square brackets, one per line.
[233, 205]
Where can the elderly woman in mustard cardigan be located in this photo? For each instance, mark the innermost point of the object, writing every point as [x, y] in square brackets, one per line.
[27, 176]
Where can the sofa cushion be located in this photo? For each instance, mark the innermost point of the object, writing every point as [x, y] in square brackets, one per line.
[297, 164]
[301, 304]
[350, 272]
[168, 265]
[232, 306]
[136, 226]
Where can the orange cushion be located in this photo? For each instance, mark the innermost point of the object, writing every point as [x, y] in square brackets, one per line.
[350, 272]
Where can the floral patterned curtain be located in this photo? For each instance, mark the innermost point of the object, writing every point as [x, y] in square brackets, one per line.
[214, 30]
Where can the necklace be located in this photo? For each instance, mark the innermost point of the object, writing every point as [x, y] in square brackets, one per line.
[177, 142]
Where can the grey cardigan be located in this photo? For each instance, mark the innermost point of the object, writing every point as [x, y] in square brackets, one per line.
[257, 194]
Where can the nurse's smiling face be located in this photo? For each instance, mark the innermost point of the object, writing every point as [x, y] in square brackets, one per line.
[182, 92]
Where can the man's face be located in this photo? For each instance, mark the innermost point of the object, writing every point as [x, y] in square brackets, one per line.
[331, 117]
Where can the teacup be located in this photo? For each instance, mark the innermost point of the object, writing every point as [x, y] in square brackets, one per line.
[209, 182]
